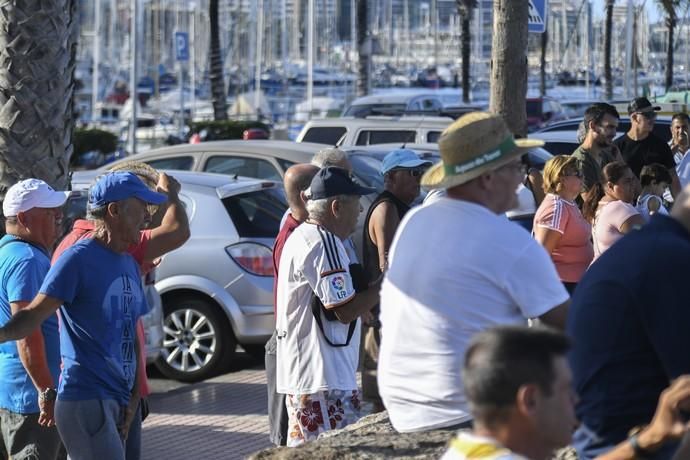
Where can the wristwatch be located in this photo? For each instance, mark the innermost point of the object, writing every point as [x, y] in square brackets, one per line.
[47, 395]
[640, 453]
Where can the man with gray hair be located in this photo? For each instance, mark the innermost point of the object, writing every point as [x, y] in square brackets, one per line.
[96, 285]
[30, 368]
[319, 302]
[332, 156]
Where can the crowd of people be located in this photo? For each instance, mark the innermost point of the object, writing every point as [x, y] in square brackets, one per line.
[572, 335]
[81, 385]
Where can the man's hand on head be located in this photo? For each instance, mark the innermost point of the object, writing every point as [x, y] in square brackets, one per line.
[168, 185]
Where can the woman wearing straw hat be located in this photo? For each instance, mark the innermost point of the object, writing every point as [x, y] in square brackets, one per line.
[473, 269]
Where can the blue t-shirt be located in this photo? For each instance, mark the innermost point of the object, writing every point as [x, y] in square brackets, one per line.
[102, 300]
[22, 269]
[630, 324]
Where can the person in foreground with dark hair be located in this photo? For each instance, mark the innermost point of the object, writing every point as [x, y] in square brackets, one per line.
[519, 387]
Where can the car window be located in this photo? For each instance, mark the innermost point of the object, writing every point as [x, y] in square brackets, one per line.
[560, 148]
[324, 135]
[242, 166]
[367, 171]
[369, 137]
[178, 163]
[432, 136]
[257, 214]
[285, 164]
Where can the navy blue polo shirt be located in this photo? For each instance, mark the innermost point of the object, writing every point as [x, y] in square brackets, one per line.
[630, 324]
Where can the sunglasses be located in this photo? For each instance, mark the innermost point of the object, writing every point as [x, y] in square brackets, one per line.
[648, 115]
[574, 174]
[414, 172]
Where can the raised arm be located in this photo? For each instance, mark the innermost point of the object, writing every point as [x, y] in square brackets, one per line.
[174, 228]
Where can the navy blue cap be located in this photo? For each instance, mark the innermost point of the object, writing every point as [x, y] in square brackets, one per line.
[117, 186]
[333, 181]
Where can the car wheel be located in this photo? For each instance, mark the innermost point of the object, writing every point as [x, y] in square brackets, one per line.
[198, 342]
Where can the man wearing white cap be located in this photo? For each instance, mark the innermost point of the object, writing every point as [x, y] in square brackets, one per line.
[30, 367]
[458, 267]
[402, 170]
[96, 285]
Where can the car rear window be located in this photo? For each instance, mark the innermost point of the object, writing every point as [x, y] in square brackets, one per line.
[324, 135]
[369, 137]
[432, 136]
[178, 163]
[257, 214]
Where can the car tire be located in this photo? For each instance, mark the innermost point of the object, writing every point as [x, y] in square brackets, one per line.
[197, 343]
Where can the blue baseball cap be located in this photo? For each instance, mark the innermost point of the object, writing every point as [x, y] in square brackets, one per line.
[333, 181]
[402, 158]
[116, 186]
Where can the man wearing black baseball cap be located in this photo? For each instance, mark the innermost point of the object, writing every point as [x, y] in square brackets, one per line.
[641, 147]
[318, 303]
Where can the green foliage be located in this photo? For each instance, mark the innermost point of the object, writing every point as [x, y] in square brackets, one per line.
[225, 129]
[87, 140]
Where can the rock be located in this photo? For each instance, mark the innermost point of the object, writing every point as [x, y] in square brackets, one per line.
[371, 437]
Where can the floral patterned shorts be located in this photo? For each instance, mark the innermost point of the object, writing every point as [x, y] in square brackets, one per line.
[311, 415]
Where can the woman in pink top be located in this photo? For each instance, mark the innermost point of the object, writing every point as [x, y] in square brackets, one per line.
[558, 223]
[608, 206]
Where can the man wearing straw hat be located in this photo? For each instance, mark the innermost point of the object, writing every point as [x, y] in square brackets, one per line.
[457, 266]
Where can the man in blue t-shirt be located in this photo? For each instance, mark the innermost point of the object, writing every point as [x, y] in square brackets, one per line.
[30, 368]
[96, 285]
[629, 322]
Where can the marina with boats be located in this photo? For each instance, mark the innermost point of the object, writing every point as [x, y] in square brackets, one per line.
[286, 62]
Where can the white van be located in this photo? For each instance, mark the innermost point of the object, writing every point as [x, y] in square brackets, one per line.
[374, 130]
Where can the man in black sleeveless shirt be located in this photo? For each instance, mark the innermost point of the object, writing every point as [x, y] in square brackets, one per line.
[402, 170]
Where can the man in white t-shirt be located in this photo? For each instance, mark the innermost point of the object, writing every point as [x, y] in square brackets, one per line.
[458, 267]
[319, 301]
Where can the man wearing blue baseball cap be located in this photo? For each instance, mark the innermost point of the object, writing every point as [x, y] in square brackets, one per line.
[402, 171]
[318, 302]
[96, 285]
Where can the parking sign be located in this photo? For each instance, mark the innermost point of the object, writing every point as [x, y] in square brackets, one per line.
[537, 16]
[182, 46]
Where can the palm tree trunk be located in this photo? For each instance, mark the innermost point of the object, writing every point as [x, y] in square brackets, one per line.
[542, 63]
[363, 47]
[220, 106]
[607, 49]
[671, 24]
[509, 63]
[466, 45]
[37, 84]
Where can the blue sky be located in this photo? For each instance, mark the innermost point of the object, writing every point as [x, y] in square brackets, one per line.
[650, 6]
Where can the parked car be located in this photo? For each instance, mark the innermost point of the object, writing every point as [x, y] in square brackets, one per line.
[395, 104]
[264, 159]
[557, 142]
[374, 130]
[542, 111]
[153, 320]
[662, 126]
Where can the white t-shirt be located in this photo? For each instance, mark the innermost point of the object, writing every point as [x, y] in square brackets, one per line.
[456, 269]
[313, 261]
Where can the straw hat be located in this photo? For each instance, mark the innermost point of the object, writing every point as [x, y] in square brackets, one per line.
[473, 145]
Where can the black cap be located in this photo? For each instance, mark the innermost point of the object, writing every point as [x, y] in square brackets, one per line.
[333, 181]
[642, 105]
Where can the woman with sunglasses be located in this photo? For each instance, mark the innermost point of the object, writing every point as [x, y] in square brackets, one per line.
[558, 223]
[608, 206]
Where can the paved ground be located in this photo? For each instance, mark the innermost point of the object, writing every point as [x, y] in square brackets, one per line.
[221, 418]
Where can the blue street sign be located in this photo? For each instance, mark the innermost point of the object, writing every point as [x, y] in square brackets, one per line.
[537, 16]
[182, 46]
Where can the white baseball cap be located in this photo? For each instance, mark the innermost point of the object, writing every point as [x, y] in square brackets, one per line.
[29, 194]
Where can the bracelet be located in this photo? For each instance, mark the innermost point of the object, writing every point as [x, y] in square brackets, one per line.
[637, 449]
